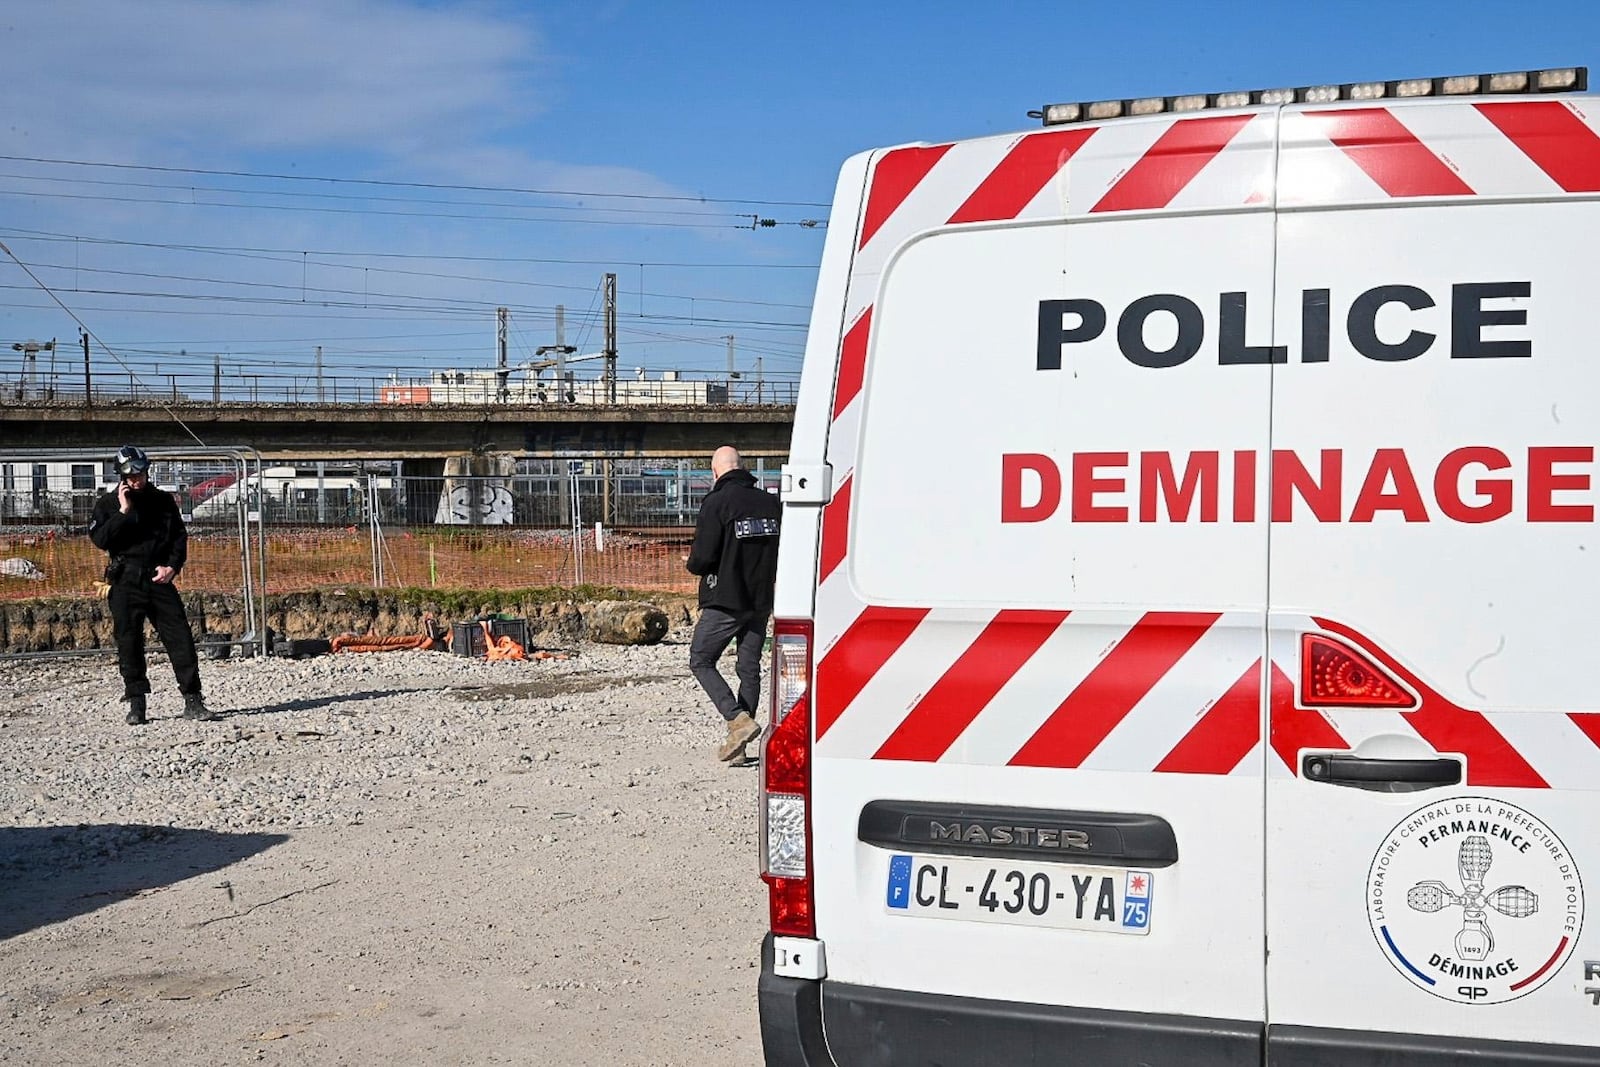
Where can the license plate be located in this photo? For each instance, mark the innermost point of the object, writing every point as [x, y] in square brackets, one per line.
[1112, 900]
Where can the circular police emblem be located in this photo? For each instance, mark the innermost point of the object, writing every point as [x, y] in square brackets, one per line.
[1474, 900]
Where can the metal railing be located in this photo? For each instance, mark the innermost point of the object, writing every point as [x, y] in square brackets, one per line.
[239, 385]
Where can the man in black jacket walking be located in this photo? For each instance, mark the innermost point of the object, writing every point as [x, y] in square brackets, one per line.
[140, 528]
[735, 553]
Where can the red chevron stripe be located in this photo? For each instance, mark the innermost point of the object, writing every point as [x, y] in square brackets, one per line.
[857, 656]
[1120, 680]
[1491, 760]
[1558, 141]
[1032, 162]
[1589, 723]
[835, 530]
[1295, 728]
[893, 179]
[1225, 734]
[1171, 163]
[992, 660]
[1389, 153]
[852, 362]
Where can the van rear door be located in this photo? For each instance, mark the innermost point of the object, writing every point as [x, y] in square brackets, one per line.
[1431, 817]
[1037, 776]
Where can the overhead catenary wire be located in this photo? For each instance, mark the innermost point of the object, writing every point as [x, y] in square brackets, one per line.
[763, 222]
[87, 332]
[392, 183]
[202, 293]
[382, 300]
[349, 343]
[443, 305]
[296, 193]
[329, 296]
[630, 324]
[399, 272]
[246, 251]
[337, 315]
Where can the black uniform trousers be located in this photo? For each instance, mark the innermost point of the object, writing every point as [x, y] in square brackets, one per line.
[711, 636]
[131, 604]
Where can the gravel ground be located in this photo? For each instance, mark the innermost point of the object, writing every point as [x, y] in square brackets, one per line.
[403, 856]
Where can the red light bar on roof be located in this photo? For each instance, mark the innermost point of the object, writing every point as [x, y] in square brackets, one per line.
[1553, 80]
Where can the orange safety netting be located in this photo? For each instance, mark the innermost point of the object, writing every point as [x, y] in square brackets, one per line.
[490, 558]
[301, 559]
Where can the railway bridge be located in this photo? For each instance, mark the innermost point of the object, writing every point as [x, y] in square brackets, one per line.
[423, 435]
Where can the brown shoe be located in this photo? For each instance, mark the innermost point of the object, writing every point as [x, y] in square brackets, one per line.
[742, 730]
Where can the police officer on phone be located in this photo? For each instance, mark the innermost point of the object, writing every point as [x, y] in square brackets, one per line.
[140, 528]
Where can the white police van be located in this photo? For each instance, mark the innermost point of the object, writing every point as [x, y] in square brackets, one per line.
[1186, 617]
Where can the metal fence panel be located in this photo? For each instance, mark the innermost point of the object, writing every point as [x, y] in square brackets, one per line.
[562, 522]
[48, 497]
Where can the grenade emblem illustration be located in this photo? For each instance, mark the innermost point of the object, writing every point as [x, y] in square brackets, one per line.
[1475, 941]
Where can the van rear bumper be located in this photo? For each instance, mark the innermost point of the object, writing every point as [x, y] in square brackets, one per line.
[867, 1026]
[870, 1026]
[791, 1017]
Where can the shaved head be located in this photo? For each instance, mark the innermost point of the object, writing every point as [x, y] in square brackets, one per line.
[723, 460]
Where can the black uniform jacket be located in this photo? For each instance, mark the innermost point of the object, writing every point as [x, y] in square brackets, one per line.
[735, 550]
[151, 535]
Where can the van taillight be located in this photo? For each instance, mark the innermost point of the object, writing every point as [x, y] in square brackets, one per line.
[1334, 675]
[786, 783]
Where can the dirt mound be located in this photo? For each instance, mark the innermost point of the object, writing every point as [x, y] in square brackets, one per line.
[75, 624]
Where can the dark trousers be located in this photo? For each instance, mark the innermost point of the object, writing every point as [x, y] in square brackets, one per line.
[711, 636]
[131, 604]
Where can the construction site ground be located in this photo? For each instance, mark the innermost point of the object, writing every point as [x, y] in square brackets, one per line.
[404, 857]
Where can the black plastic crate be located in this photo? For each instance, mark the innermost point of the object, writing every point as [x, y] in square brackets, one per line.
[516, 629]
[468, 639]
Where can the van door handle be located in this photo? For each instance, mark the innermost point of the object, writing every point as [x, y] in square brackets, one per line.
[1381, 775]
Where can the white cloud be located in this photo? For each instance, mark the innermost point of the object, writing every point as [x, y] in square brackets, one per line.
[365, 76]
[447, 91]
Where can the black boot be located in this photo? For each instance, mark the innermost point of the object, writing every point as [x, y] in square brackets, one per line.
[135, 710]
[194, 707]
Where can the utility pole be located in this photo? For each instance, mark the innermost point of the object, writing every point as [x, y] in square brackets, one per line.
[88, 388]
[611, 387]
[502, 374]
[216, 377]
[561, 350]
[611, 338]
[319, 374]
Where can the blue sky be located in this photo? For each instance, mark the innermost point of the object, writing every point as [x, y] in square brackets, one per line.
[635, 138]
